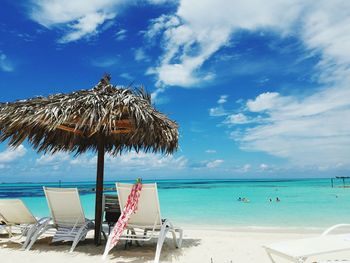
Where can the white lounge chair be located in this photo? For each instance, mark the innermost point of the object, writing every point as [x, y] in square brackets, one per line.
[13, 212]
[300, 250]
[146, 223]
[67, 217]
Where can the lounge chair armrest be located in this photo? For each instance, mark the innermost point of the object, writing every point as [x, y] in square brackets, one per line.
[89, 223]
[327, 231]
[44, 220]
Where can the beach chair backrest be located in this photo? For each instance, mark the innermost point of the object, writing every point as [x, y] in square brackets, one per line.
[111, 208]
[111, 203]
[15, 212]
[148, 212]
[65, 206]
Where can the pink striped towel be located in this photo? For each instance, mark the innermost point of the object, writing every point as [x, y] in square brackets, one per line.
[129, 209]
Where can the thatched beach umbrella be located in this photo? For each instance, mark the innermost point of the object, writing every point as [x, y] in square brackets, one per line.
[104, 119]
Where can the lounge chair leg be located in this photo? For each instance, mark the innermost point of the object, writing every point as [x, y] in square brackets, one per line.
[270, 257]
[181, 237]
[80, 234]
[30, 233]
[32, 241]
[160, 242]
[35, 236]
[144, 235]
[10, 232]
[136, 241]
[179, 241]
[127, 242]
[104, 235]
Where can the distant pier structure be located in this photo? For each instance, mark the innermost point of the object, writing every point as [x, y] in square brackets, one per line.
[343, 179]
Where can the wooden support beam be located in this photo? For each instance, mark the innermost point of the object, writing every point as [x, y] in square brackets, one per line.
[123, 124]
[69, 129]
[99, 190]
[121, 131]
[117, 122]
[126, 123]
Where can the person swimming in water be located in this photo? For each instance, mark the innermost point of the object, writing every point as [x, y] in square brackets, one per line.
[278, 200]
[239, 199]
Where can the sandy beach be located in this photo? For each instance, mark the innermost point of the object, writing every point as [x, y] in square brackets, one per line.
[199, 245]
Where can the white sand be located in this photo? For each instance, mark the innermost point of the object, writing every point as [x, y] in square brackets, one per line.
[200, 245]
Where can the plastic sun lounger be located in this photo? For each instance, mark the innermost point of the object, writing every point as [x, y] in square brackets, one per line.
[300, 250]
[13, 212]
[146, 223]
[67, 217]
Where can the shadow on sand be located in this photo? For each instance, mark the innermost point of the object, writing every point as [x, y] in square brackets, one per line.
[133, 254]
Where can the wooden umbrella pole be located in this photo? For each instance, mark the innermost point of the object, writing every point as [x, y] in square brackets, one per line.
[99, 191]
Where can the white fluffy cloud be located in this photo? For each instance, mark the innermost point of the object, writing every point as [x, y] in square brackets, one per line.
[222, 99]
[219, 109]
[53, 159]
[5, 64]
[264, 167]
[308, 131]
[85, 26]
[80, 18]
[147, 161]
[104, 62]
[214, 164]
[128, 160]
[246, 168]
[12, 154]
[201, 28]
[264, 101]
[140, 55]
[238, 118]
[121, 34]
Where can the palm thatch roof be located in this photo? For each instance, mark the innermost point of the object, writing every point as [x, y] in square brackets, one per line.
[75, 122]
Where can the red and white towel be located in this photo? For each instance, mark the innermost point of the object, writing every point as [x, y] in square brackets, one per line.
[129, 209]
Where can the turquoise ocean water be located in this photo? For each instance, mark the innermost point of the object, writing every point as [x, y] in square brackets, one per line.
[304, 203]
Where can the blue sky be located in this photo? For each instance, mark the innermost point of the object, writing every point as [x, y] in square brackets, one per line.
[259, 89]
